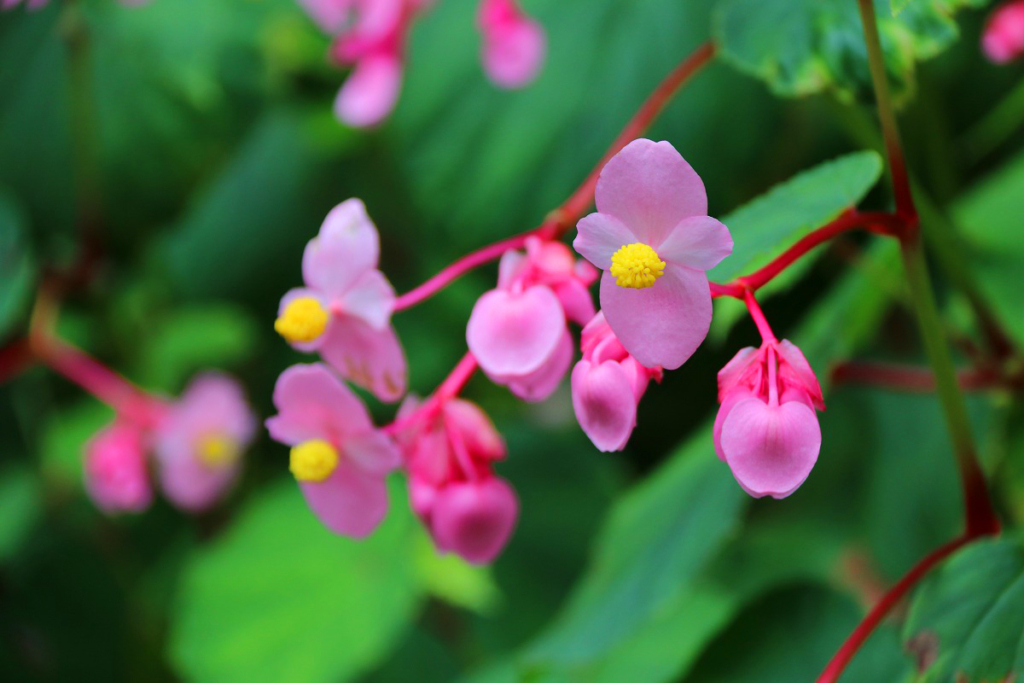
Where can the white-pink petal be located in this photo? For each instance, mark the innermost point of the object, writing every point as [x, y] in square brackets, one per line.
[371, 91]
[599, 235]
[371, 358]
[370, 298]
[346, 247]
[698, 242]
[515, 333]
[350, 502]
[604, 402]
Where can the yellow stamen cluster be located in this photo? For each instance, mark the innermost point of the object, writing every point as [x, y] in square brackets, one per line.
[217, 451]
[636, 266]
[313, 460]
[303, 320]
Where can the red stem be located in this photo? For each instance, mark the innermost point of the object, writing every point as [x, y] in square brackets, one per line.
[906, 378]
[838, 663]
[565, 217]
[15, 358]
[448, 389]
[755, 312]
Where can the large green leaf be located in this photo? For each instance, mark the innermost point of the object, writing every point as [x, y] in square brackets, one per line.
[801, 47]
[16, 264]
[66, 434]
[771, 223]
[967, 619]
[281, 598]
[20, 507]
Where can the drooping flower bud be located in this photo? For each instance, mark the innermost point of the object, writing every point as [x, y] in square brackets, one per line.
[116, 476]
[1003, 37]
[514, 44]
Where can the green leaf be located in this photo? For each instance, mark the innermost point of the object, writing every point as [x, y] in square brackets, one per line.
[657, 539]
[967, 619]
[452, 579]
[20, 507]
[771, 223]
[16, 264]
[64, 439]
[194, 339]
[808, 46]
[279, 597]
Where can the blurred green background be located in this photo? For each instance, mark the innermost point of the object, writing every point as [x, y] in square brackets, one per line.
[193, 146]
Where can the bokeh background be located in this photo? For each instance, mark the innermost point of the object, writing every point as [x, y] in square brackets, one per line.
[199, 138]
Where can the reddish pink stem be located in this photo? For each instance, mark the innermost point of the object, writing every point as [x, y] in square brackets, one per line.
[755, 312]
[448, 389]
[565, 217]
[905, 378]
[835, 667]
[14, 359]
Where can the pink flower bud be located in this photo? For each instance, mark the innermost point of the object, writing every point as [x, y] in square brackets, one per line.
[514, 44]
[1003, 37]
[474, 519]
[115, 470]
[766, 429]
[607, 385]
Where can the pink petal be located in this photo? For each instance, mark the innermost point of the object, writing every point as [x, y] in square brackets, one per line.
[474, 519]
[212, 403]
[187, 482]
[576, 301]
[349, 502]
[794, 370]
[697, 242]
[115, 470]
[479, 434]
[661, 325]
[514, 333]
[371, 298]
[599, 235]
[771, 449]
[330, 15]
[542, 382]
[373, 452]
[371, 91]
[744, 369]
[347, 247]
[371, 358]
[509, 267]
[314, 404]
[513, 52]
[650, 188]
[605, 406]
[728, 400]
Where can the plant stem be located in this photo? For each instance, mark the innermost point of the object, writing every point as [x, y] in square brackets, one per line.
[755, 312]
[565, 216]
[909, 378]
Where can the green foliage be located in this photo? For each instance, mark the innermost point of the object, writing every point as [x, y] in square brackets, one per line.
[20, 506]
[809, 46]
[65, 438]
[16, 264]
[967, 619]
[281, 598]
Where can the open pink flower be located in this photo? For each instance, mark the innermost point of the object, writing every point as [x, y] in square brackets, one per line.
[200, 442]
[518, 331]
[514, 44]
[1003, 38]
[344, 311]
[607, 385]
[766, 429]
[339, 459]
[116, 477]
[654, 240]
[450, 450]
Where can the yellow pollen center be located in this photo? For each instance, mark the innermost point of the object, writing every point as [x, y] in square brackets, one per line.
[313, 460]
[218, 451]
[636, 266]
[303, 320]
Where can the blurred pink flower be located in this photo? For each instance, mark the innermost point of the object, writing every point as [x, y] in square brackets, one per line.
[344, 312]
[654, 240]
[1003, 37]
[514, 44]
[518, 331]
[450, 450]
[200, 442]
[607, 385]
[339, 459]
[766, 429]
[116, 477]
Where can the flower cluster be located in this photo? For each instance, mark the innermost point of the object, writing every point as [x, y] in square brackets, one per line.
[1003, 38]
[653, 239]
[370, 37]
[194, 445]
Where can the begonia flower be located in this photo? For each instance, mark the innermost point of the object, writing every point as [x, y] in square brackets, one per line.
[200, 441]
[1003, 37]
[607, 385]
[766, 429]
[450, 453]
[116, 477]
[653, 239]
[514, 44]
[344, 311]
[518, 332]
[339, 459]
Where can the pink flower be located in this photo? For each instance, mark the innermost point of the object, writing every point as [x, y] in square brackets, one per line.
[344, 312]
[115, 469]
[1003, 38]
[450, 451]
[766, 429]
[607, 385]
[514, 44]
[654, 240]
[200, 442]
[339, 459]
[518, 331]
